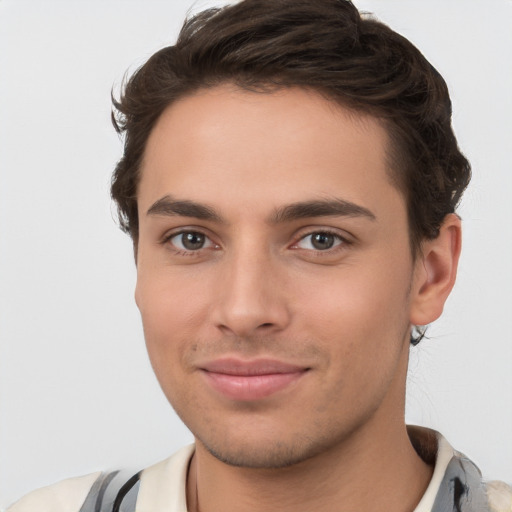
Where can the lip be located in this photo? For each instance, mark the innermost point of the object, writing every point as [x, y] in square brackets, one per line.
[250, 380]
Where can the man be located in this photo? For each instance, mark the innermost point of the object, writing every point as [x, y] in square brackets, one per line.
[289, 181]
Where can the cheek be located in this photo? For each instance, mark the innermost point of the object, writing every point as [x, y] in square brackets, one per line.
[168, 296]
[355, 297]
[360, 318]
[171, 311]
[363, 331]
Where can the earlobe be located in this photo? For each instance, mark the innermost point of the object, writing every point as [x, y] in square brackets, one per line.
[436, 270]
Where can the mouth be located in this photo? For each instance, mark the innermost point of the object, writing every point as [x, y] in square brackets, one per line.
[250, 380]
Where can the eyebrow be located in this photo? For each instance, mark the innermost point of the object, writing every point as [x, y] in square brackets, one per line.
[167, 206]
[320, 208]
[184, 208]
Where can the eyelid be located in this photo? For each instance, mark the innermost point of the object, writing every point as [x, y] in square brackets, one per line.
[311, 230]
[169, 235]
[345, 240]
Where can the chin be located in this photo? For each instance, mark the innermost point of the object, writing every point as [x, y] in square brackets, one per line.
[264, 454]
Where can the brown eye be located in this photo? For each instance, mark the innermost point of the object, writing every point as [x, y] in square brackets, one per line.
[190, 241]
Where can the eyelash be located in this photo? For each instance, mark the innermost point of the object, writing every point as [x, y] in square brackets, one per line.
[342, 244]
[189, 253]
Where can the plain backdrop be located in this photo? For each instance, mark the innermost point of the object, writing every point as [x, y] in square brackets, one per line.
[77, 393]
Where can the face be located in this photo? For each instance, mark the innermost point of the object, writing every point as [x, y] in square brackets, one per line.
[274, 273]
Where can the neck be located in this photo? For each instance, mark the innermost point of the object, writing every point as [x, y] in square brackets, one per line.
[354, 476]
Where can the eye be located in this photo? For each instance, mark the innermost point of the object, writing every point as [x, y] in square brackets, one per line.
[190, 241]
[319, 241]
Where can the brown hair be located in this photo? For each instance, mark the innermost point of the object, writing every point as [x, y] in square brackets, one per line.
[327, 46]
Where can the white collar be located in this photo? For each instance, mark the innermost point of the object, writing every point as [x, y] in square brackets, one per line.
[163, 485]
[445, 453]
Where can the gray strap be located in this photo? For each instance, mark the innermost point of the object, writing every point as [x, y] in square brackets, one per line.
[130, 499]
[462, 489]
[117, 489]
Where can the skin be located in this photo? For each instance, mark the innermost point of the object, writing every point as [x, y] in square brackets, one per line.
[258, 287]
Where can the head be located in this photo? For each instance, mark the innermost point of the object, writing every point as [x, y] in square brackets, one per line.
[289, 181]
[326, 46]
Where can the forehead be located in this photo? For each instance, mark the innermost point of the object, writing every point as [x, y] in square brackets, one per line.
[230, 146]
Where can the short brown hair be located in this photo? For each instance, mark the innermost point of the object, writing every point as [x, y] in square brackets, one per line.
[323, 45]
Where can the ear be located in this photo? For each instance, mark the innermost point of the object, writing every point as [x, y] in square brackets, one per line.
[435, 272]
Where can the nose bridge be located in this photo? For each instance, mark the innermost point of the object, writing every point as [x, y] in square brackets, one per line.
[250, 297]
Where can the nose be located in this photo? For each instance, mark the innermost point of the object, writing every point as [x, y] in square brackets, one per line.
[251, 297]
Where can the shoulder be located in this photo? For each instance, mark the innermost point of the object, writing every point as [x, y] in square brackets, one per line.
[163, 485]
[65, 496]
[456, 482]
[469, 489]
[152, 489]
[499, 495]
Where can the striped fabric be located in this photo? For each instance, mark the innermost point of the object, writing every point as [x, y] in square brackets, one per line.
[456, 486]
[461, 490]
[113, 492]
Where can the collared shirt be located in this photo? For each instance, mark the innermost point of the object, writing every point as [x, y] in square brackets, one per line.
[456, 485]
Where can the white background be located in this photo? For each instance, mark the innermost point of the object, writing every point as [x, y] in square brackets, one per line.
[76, 390]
